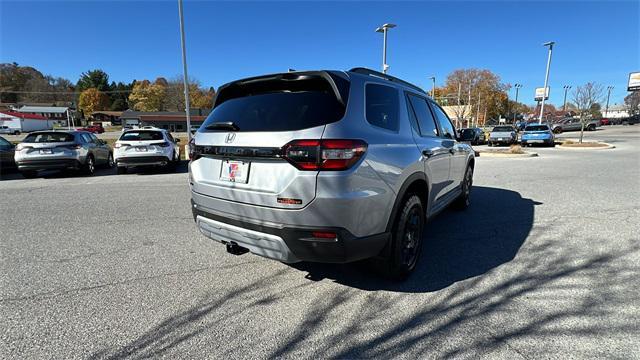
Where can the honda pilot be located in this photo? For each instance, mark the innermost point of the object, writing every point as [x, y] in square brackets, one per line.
[326, 166]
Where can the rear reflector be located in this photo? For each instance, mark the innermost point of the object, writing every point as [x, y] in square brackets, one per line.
[289, 201]
[329, 154]
[324, 235]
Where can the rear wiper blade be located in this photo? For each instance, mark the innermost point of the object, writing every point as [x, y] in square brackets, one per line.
[228, 125]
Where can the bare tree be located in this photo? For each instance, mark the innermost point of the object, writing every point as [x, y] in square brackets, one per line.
[632, 103]
[585, 97]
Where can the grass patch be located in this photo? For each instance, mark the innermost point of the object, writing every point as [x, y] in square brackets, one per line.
[515, 149]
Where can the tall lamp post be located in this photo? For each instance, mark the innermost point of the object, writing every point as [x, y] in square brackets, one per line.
[606, 109]
[564, 104]
[433, 88]
[187, 105]
[546, 78]
[515, 113]
[384, 29]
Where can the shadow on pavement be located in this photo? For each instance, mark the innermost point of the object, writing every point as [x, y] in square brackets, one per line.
[456, 245]
[13, 174]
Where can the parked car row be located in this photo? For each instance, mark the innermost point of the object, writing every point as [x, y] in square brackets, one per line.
[81, 150]
[533, 134]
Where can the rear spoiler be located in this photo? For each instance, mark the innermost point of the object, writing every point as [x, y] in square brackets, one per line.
[259, 84]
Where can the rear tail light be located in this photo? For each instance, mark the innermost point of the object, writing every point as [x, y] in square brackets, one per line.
[194, 152]
[164, 144]
[329, 154]
[72, 146]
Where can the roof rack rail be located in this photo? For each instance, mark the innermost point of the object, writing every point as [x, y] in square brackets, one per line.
[366, 71]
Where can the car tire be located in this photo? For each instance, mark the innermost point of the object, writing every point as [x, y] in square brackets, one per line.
[16, 133]
[89, 167]
[110, 162]
[464, 200]
[121, 170]
[403, 250]
[29, 174]
[591, 128]
[489, 144]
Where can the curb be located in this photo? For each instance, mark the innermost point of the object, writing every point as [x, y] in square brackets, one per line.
[609, 146]
[504, 155]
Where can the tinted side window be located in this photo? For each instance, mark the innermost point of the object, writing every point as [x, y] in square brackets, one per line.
[445, 123]
[382, 106]
[86, 138]
[425, 118]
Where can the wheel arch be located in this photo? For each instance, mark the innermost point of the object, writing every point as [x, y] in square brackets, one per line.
[417, 183]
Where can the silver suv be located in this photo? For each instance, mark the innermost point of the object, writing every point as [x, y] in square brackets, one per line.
[61, 150]
[326, 166]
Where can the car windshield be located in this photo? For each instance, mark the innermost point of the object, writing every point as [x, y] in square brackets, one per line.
[502, 129]
[537, 128]
[141, 136]
[49, 137]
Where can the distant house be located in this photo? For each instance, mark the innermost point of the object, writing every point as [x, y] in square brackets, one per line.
[58, 113]
[172, 121]
[21, 123]
[616, 111]
[112, 117]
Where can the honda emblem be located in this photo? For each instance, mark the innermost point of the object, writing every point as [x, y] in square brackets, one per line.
[230, 138]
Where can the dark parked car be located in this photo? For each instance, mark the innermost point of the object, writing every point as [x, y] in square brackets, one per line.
[473, 135]
[7, 151]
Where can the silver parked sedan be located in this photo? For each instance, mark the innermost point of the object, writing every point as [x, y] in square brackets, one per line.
[60, 150]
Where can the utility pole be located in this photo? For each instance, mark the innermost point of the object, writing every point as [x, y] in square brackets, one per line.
[564, 105]
[384, 29]
[477, 111]
[187, 105]
[546, 78]
[606, 109]
[459, 90]
[469, 105]
[517, 86]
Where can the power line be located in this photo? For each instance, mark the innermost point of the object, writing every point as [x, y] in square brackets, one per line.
[61, 92]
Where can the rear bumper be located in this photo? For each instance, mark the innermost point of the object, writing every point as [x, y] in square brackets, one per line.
[48, 164]
[537, 141]
[503, 141]
[287, 243]
[142, 161]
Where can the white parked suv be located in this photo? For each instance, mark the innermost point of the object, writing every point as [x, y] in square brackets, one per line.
[146, 147]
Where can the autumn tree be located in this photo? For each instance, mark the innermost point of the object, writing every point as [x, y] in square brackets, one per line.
[480, 90]
[585, 97]
[200, 98]
[147, 96]
[92, 100]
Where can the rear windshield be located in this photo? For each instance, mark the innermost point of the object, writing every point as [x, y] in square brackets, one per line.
[467, 132]
[276, 104]
[536, 128]
[49, 137]
[141, 136]
[502, 129]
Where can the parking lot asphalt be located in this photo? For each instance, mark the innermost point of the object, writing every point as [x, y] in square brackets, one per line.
[544, 264]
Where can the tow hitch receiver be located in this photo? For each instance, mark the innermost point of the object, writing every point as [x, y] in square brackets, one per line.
[235, 249]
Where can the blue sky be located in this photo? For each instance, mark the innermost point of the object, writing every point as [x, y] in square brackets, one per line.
[595, 40]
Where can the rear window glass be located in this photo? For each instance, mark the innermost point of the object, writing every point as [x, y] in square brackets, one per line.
[49, 137]
[141, 136]
[536, 128]
[382, 106]
[502, 129]
[277, 111]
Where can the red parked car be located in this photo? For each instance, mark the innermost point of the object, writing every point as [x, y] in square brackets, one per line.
[95, 128]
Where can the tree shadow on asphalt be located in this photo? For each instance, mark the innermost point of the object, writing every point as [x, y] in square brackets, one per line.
[480, 289]
[456, 245]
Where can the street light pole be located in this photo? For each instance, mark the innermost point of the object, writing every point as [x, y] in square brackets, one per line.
[606, 109]
[517, 86]
[433, 88]
[384, 29]
[187, 104]
[564, 105]
[546, 78]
